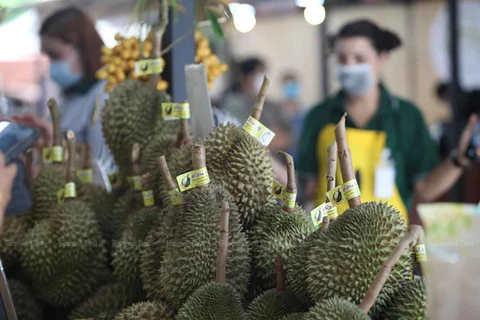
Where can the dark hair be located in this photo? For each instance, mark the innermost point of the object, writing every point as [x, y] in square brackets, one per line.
[381, 39]
[73, 26]
[248, 66]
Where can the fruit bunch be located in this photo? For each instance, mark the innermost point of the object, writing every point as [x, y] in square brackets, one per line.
[119, 61]
[204, 55]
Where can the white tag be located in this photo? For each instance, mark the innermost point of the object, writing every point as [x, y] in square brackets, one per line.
[384, 181]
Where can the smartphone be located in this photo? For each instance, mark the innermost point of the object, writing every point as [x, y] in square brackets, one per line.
[474, 143]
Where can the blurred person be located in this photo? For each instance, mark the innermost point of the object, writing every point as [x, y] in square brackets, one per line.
[7, 174]
[383, 131]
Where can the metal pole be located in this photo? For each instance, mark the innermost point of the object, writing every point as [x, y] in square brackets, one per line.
[324, 48]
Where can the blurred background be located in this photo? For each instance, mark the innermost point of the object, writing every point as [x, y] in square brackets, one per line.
[291, 38]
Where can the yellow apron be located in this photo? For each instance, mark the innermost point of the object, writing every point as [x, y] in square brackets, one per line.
[365, 147]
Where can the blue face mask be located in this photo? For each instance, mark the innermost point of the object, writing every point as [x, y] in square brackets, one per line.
[60, 73]
[291, 90]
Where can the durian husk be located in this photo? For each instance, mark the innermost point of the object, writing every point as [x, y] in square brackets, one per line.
[151, 310]
[124, 206]
[409, 302]
[213, 301]
[12, 235]
[353, 247]
[26, 305]
[45, 186]
[105, 303]
[335, 309]
[294, 316]
[243, 166]
[273, 304]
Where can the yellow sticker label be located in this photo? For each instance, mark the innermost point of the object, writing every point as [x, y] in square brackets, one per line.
[85, 176]
[148, 199]
[135, 182]
[175, 199]
[175, 111]
[70, 190]
[47, 155]
[420, 253]
[257, 130]
[57, 154]
[344, 192]
[114, 179]
[96, 112]
[323, 210]
[193, 179]
[148, 67]
[280, 191]
[61, 196]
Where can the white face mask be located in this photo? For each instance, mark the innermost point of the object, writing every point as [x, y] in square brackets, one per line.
[258, 81]
[355, 79]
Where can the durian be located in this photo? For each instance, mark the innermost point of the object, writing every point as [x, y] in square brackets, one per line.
[275, 303]
[294, 316]
[106, 302]
[335, 309]
[132, 115]
[242, 165]
[151, 310]
[189, 259]
[279, 230]
[12, 235]
[410, 302]
[26, 306]
[216, 300]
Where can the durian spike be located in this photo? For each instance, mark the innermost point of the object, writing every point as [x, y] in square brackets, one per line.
[87, 159]
[325, 223]
[406, 243]
[199, 159]
[71, 162]
[167, 176]
[221, 274]
[184, 138]
[158, 32]
[136, 160]
[147, 182]
[258, 107]
[345, 157]
[57, 135]
[279, 274]
[291, 183]
[331, 167]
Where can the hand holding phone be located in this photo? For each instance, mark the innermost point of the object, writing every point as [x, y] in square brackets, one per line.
[469, 146]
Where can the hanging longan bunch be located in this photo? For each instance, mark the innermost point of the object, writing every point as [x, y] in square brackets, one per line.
[204, 55]
[119, 61]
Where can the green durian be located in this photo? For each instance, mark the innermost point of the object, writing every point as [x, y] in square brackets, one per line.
[151, 310]
[335, 309]
[12, 236]
[354, 247]
[213, 301]
[294, 316]
[132, 114]
[410, 301]
[272, 305]
[26, 306]
[105, 303]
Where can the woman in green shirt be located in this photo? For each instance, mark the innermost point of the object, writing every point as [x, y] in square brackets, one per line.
[393, 154]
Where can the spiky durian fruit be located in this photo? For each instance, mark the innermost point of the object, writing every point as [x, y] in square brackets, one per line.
[104, 304]
[132, 115]
[273, 305]
[354, 247]
[26, 306]
[335, 309]
[410, 302]
[12, 235]
[294, 316]
[152, 310]
[213, 301]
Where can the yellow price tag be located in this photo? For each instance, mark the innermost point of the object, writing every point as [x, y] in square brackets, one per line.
[61, 196]
[344, 192]
[70, 190]
[257, 130]
[57, 154]
[175, 199]
[148, 67]
[114, 179]
[85, 176]
[325, 209]
[193, 179]
[281, 193]
[148, 199]
[136, 183]
[47, 155]
[96, 112]
[175, 111]
[420, 253]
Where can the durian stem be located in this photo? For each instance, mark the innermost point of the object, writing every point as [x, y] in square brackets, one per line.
[167, 176]
[325, 223]
[291, 183]
[87, 163]
[199, 159]
[331, 167]
[221, 275]
[71, 162]
[279, 274]
[421, 240]
[258, 107]
[158, 32]
[80, 156]
[406, 243]
[184, 137]
[136, 160]
[57, 136]
[345, 157]
[147, 183]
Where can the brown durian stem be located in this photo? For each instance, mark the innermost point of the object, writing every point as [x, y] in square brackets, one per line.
[331, 167]
[184, 138]
[421, 240]
[136, 160]
[57, 136]
[80, 156]
[258, 107]
[199, 159]
[71, 162]
[221, 275]
[345, 157]
[279, 274]
[325, 223]
[87, 163]
[147, 182]
[406, 243]
[167, 176]
[291, 183]
[158, 32]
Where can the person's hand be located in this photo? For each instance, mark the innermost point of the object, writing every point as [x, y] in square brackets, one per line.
[465, 140]
[7, 174]
[31, 120]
